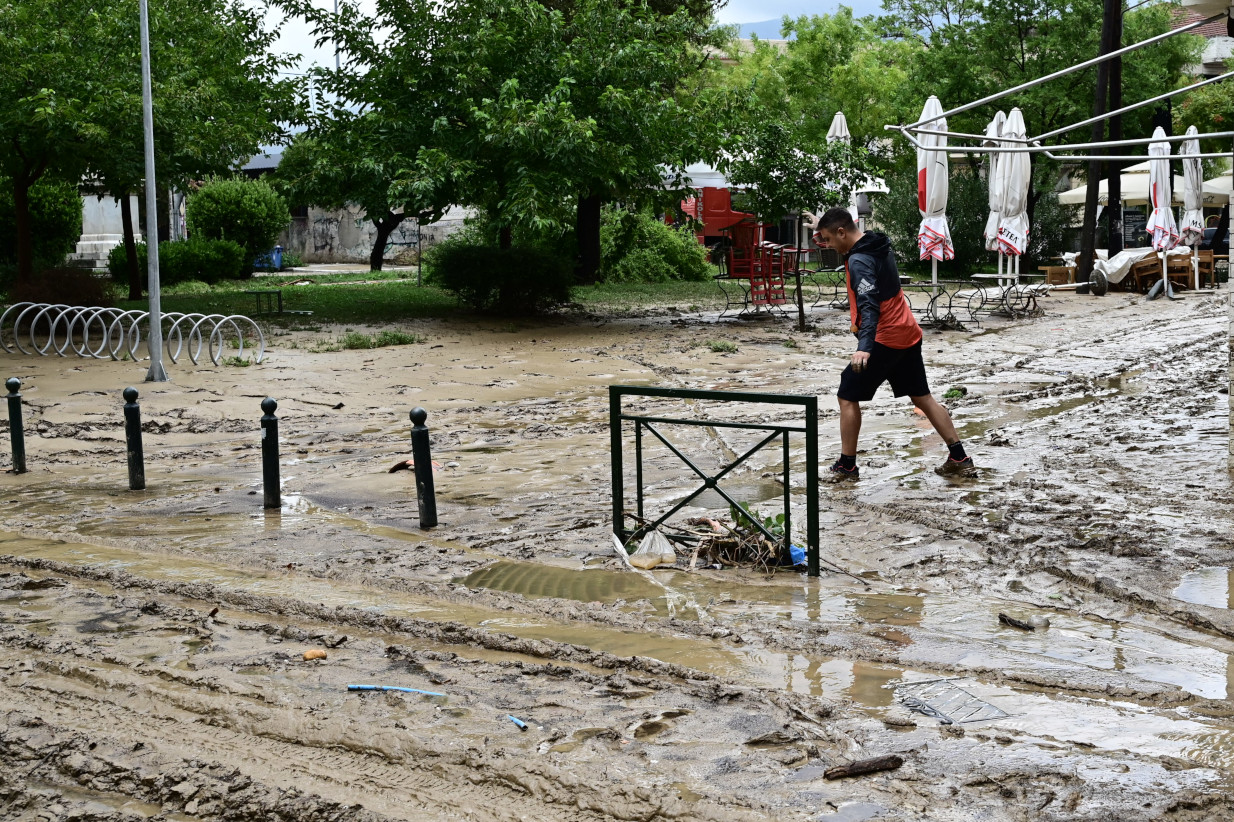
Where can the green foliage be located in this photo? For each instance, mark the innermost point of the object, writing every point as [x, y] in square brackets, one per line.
[744, 518]
[70, 90]
[635, 246]
[517, 280]
[782, 173]
[55, 213]
[523, 108]
[722, 346]
[67, 286]
[248, 212]
[291, 260]
[194, 259]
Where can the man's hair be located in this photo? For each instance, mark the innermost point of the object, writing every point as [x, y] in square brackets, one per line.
[837, 218]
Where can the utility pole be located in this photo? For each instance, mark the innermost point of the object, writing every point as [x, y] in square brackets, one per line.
[156, 372]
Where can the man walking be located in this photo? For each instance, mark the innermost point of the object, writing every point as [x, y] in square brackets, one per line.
[888, 343]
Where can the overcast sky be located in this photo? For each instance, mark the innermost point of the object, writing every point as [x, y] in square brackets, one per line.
[297, 40]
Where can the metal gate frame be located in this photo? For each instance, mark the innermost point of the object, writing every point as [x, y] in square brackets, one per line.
[780, 432]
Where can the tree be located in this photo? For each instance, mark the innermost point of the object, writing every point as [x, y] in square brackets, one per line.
[70, 94]
[351, 158]
[534, 115]
[783, 172]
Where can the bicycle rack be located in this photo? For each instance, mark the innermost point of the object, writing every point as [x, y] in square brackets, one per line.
[59, 328]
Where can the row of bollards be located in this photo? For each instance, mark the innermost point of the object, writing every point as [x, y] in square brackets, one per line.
[420, 451]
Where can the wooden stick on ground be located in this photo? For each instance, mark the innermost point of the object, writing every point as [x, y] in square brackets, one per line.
[864, 766]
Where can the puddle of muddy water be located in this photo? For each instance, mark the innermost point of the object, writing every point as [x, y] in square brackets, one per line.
[1089, 641]
[1213, 587]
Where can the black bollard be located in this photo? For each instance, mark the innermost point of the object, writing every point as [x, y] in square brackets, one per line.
[132, 434]
[270, 454]
[17, 433]
[423, 459]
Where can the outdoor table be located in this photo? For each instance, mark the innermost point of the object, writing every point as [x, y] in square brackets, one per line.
[267, 296]
[1007, 296]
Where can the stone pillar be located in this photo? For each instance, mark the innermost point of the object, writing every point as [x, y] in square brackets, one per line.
[101, 231]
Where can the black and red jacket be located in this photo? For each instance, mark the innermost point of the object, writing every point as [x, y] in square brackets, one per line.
[877, 306]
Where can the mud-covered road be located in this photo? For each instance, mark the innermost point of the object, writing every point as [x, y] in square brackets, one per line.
[152, 644]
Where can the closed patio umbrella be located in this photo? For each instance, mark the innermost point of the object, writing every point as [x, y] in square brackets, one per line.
[1015, 173]
[1192, 228]
[1161, 226]
[838, 132]
[993, 135]
[934, 236]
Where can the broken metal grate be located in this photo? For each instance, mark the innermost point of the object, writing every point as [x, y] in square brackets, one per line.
[946, 702]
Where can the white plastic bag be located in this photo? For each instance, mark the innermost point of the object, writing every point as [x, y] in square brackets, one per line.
[654, 550]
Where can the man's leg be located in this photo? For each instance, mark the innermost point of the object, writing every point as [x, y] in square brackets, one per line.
[958, 462]
[850, 426]
[935, 412]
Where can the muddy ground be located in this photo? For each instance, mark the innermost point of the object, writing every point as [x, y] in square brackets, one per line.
[152, 643]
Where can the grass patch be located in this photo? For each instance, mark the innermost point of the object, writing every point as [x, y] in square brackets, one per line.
[236, 361]
[356, 340]
[381, 297]
[722, 346]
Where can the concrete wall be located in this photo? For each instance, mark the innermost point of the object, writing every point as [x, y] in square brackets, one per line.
[101, 230]
[346, 235]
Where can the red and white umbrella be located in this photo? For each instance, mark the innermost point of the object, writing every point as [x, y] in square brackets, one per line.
[1015, 172]
[934, 236]
[1191, 231]
[1161, 226]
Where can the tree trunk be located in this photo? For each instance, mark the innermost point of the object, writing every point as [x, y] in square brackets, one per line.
[25, 233]
[130, 247]
[385, 227]
[1088, 237]
[1114, 8]
[587, 230]
[505, 238]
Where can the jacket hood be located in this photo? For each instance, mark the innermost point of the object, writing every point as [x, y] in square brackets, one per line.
[872, 242]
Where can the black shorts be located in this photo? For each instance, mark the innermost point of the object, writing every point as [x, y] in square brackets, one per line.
[903, 368]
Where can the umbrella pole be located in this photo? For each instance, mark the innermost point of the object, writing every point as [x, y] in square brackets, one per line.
[934, 275]
[1195, 264]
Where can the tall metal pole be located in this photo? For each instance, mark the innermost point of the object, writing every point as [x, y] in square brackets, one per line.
[156, 372]
[1114, 10]
[336, 60]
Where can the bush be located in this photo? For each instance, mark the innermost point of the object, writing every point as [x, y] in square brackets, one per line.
[55, 215]
[518, 280]
[193, 259]
[638, 247]
[247, 212]
[66, 286]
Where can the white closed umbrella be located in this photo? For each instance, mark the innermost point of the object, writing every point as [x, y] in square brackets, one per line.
[934, 236]
[993, 138]
[838, 132]
[1015, 172]
[1192, 228]
[1161, 226]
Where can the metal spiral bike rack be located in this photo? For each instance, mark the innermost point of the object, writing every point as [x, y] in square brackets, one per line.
[101, 333]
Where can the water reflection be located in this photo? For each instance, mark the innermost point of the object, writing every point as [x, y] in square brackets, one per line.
[1213, 587]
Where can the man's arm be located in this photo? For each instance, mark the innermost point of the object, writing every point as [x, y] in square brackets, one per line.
[865, 286]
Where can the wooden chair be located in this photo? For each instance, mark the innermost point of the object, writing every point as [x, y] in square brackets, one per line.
[1208, 268]
[1144, 273]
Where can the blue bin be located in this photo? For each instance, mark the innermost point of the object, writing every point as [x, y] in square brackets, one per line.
[270, 261]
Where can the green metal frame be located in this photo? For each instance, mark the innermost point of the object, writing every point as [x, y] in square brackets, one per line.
[777, 432]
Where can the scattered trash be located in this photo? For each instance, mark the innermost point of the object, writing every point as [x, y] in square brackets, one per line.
[621, 552]
[315, 653]
[865, 766]
[654, 550]
[946, 702]
[391, 688]
[409, 464]
[1015, 623]
[1039, 621]
[797, 555]
[522, 726]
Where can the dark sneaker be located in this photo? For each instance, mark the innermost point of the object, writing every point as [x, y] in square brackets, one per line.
[957, 468]
[839, 473]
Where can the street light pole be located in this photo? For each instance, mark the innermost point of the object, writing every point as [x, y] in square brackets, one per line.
[156, 372]
[336, 61]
